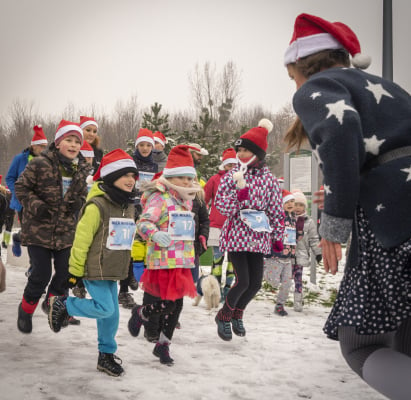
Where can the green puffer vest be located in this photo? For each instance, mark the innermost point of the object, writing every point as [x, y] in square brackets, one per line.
[102, 263]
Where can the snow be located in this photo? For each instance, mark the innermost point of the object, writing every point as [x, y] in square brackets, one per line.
[280, 357]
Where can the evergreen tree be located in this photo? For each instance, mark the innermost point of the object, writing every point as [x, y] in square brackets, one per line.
[156, 122]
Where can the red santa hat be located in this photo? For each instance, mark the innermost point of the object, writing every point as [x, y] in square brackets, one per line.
[85, 121]
[299, 197]
[115, 164]
[39, 137]
[313, 34]
[287, 196]
[145, 135]
[160, 138]
[255, 139]
[179, 162]
[229, 157]
[68, 128]
[86, 150]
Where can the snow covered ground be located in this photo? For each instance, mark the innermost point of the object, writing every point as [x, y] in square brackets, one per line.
[280, 358]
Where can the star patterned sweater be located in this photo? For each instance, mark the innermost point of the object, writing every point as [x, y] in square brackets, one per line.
[352, 118]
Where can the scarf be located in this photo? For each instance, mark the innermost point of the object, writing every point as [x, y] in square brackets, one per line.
[145, 164]
[117, 195]
[186, 193]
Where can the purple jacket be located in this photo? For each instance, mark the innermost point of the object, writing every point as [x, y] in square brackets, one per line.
[264, 195]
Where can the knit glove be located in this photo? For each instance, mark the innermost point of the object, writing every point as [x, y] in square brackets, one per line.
[72, 281]
[75, 205]
[318, 258]
[162, 238]
[242, 194]
[278, 246]
[203, 241]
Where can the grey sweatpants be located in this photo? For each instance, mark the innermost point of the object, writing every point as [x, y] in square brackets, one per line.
[278, 273]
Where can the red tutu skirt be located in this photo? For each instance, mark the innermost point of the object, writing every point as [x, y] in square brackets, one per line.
[169, 284]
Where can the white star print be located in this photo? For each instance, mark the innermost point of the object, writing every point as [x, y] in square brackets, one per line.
[372, 144]
[377, 90]
[379, 207]
[327, 189]
[337, 109]
[314, 95]
[317, 154]
[407, 171]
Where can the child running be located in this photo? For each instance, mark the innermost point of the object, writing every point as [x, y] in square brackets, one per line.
[250, 198]
[101, 255]
[167, 225]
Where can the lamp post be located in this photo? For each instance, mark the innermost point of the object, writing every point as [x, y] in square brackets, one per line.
[387, 40]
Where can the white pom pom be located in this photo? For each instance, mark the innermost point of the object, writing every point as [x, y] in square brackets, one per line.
[238, 175]
[267, 124]
[89, 179]
[39, 126]
[241, 183]
[361, 61]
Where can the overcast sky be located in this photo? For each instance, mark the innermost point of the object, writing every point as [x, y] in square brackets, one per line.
[86, 52]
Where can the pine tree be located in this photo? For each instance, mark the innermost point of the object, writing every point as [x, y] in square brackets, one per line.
[156, 122]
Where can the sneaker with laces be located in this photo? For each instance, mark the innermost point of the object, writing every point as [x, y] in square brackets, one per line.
[280, 310]
[135, 321]
[238, 326]
[126, 299]
[223, 329]
[58, 316]
[162, 351]
[107, 363]
[24, 321]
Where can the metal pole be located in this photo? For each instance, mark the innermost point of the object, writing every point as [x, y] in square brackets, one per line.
[387, 59]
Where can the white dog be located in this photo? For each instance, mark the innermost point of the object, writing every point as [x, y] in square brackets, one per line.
[209, 288]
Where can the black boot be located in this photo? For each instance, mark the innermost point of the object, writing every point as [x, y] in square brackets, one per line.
[58, 316]
[223, 329]
[107, 363]
[135, 321]
[24, 323]
[45, 306]
[162, 351]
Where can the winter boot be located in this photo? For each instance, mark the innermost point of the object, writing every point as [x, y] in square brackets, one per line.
[73, 321]
[126, 299]
[107, 363]
[135, 322]
[79, 292]
[298, 302]
[162, 351]
[24, 321]
[151, 330]
[224, 293]
[237, 323]
[133, 284]
[223, 326]
[16, 248]
[45, 306]
[58, 316]
[279, 310]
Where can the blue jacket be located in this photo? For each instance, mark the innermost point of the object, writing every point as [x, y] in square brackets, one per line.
[17, 166]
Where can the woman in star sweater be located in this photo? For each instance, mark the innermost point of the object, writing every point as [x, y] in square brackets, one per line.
[250, 198]
[359, 126]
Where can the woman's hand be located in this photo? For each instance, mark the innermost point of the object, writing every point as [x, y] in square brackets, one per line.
[331, 255]
[319, 199]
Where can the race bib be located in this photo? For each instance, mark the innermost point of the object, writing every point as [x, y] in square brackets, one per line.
[121, 233]
[66, 184]
[144, 177]
[181, 225]
[290, 236]
[256, 220]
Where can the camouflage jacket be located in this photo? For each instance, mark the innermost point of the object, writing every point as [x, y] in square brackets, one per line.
[49, 218]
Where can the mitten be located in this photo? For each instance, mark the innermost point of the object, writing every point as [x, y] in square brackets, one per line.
[318, 258]
[278, 246]
[138, 269]
[162, 238]
[242, 194]
[203, 241]
[75, 205]
[72, 281]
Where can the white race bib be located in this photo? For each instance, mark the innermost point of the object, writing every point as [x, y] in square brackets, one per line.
[121, 233]
[290, 236]
[256, 220]
[66, 183]
[181, 225]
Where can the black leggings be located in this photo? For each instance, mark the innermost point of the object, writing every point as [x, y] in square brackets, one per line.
[357, 348]
[164, 313]
[248, 270]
